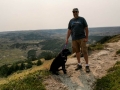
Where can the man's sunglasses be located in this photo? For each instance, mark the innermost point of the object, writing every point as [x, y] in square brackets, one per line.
[75, 11]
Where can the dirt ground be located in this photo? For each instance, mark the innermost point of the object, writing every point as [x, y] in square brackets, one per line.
[99, 61]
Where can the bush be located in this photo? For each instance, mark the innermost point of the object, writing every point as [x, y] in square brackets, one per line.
[4, 71]
[31, 82]
[39, 62]
[10, 70]
[29, 65]
[111, 81]
[15, 67]
[22, 66]
[118, 52]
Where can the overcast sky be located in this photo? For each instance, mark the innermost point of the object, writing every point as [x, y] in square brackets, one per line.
[55, 14]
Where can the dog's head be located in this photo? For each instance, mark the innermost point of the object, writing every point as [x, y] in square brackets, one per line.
[65, 52]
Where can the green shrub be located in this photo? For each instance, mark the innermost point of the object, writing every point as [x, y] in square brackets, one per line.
[29, 65]
[4, 71]
[10, 70]
[15, 67]
[96, 47]
[30, 82]
[111, 81]
[118, 52]
[39, 62]
[22, 66]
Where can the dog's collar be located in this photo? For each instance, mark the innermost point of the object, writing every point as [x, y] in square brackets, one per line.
[63, 55]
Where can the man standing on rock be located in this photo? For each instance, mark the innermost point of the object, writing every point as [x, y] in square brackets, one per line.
[78, 29]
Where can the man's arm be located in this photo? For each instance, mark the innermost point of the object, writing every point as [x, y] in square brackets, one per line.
[86, 33]
[68, 35]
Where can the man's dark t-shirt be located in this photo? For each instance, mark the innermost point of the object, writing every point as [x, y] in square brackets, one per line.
[77, 26]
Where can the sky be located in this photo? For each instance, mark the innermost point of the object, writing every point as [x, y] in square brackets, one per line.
[56, 14]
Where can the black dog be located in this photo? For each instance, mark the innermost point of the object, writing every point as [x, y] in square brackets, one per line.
[59, 61]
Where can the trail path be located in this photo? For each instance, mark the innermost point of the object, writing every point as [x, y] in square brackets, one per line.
[100, 62]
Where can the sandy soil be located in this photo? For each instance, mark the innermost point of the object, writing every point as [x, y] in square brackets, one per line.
[100, 62]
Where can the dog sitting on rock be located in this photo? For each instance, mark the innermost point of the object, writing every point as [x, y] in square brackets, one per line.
[60, 61]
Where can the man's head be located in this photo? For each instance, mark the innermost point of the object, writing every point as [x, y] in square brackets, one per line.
[75, 12]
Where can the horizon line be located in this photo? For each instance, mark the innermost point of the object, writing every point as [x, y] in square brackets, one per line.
[54, 29]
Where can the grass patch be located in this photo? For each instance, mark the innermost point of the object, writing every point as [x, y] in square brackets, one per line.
[104, 40]
[7, 70]
[31, 82]
[114, 38]
[111, 81]
[97, 46]
[118, 52]
[109, 39]
[10, 56]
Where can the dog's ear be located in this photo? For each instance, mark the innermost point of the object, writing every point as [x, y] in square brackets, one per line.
[66, 52]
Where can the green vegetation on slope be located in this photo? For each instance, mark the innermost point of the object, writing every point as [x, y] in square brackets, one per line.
[6, 70]
[109, 39]
[99, 45]
[31, 82]
[96, 46]
[111, 81]
[9, 56]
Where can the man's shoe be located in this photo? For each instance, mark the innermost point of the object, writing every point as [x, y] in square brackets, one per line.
[87, 69]
[78, 67]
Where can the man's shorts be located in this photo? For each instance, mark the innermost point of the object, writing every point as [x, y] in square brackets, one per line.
[79, 46]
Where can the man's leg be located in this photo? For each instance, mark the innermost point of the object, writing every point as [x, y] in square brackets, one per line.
[79, 66]
[76, 48]
[78, 57]
[85, 54]
[86, 57]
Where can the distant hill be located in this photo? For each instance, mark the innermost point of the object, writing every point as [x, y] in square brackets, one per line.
[104, 31]
[95, 34]
[99, 31]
